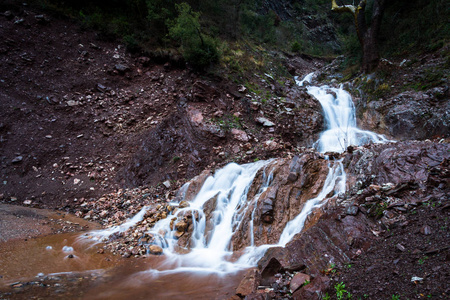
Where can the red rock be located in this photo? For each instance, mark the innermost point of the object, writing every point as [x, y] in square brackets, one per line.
[298, 280]
[195, 116]
[268, 272]
[155, 250]
[249, 283]
[314, 290]
[426, 230]
[239, 135]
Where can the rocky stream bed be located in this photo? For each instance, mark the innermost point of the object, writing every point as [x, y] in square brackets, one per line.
[89, 129]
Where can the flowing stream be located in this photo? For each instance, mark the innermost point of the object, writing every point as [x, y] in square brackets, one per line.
[210, 242]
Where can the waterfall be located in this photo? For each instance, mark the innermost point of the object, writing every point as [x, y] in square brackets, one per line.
[340, 118]
[210, 249]
[226, 195]
[341, 132]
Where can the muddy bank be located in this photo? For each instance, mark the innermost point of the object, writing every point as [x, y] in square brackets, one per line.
[17, 222]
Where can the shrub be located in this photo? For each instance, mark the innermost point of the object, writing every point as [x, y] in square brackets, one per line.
[198, 49]
[296, 47]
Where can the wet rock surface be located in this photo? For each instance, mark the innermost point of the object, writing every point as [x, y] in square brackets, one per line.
[397, 191]
[413, 114]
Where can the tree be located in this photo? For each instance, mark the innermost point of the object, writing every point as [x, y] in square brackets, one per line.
[367, 34]
[197, 48]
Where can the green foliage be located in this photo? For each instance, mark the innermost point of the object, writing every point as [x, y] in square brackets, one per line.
[422, 260]
[426, 79]
[351, 49]
[341, 292]
[197, 48]
[229, 122]
[260, 27]
[395, 297]
[131, 43]
[415, 25]
[296, 47]
[200, 28]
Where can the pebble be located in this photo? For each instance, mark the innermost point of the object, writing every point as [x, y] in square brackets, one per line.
[426, 230]
[67, 249]
[72, 103]
[17, 159]
[298, 280]
[121, 67]
[400, 247]
[387, 186]
[292, 177]
[265, 122]
[352, 210]
[166, 183]
[155, 250]
[101, 88]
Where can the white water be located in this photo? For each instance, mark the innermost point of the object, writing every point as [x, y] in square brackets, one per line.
[210, 250]
[104, 234]
[335, 181]
[210, 243]
[307, 79]
[340, 119]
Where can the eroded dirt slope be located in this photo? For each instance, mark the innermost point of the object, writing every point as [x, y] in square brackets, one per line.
[81, 117]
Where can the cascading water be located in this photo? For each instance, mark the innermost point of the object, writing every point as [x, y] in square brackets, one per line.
[209, 247]
[340, 119]
[341, 132]
[335, 181]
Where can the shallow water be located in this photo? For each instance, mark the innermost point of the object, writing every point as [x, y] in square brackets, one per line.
[134, 280]
[26, 258]
[30, 259]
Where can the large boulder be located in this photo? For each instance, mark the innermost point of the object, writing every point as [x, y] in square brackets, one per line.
[410, 115]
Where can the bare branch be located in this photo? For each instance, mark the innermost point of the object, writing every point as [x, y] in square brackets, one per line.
[343, 8]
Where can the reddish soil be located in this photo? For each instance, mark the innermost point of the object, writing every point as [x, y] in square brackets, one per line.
[416, 248]
[81, 117]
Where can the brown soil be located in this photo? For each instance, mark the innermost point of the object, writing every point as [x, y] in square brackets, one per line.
[18, 222]
[81, 117]
[416, 248]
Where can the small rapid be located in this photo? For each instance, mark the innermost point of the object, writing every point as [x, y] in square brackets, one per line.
[335, 182]
[210, 239]
[222, 207]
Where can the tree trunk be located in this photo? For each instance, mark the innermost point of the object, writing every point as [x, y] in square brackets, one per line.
[368, 36]
[371, 55]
